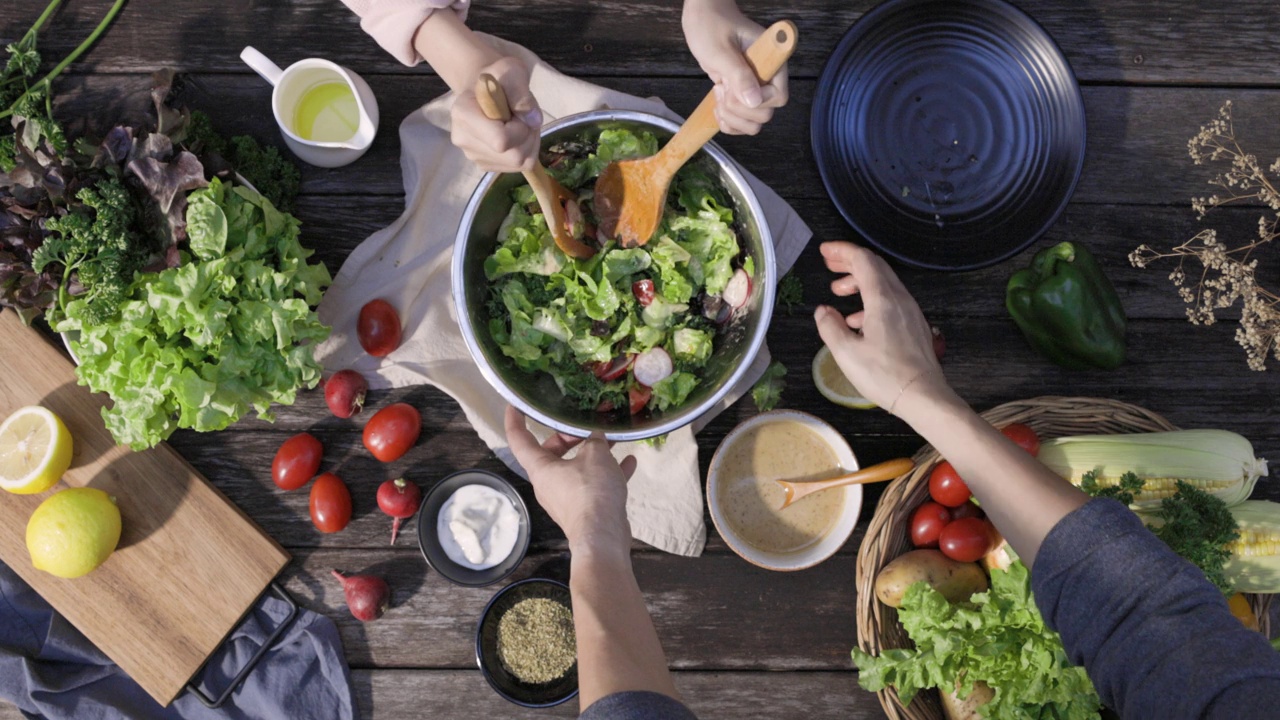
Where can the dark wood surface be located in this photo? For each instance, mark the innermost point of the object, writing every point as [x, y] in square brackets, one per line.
[1151, 73]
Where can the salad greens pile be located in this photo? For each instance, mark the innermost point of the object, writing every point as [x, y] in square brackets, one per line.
[999, 638]
[198, 345]
[585, 321]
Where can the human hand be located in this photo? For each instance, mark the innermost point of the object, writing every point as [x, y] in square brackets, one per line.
[887, 347]
[494, 145]
[718, 34]
[585, 495]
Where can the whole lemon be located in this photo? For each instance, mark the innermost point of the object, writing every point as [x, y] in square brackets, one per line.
[73, 532]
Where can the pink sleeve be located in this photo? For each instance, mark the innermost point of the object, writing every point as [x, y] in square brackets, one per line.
[393, 23]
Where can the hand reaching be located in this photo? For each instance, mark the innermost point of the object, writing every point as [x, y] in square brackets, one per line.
[893, 350]
[492, 144]
[718, 34]
[585, 495]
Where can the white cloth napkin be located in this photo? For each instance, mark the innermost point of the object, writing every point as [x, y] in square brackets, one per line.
[407, 264]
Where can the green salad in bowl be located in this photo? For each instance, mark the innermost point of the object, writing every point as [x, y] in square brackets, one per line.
[626, 330]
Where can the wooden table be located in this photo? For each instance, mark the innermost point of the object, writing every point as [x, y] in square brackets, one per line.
[1152, 73]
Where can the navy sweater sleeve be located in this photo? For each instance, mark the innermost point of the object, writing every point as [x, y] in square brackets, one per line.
[637, 705]
[1154, 635]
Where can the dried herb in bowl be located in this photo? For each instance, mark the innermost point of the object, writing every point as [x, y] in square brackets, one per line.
[536, 642]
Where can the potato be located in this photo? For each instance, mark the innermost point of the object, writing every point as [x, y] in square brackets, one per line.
[955, 580]
[967, 709]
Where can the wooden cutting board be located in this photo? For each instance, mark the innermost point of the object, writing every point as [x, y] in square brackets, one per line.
[189, 564]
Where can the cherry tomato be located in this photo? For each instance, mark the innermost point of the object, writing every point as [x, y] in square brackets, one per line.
[927, 523]
[297, 461]
[967, 510]
[330, 503]
[643, 290]
[638, 395]
[606, 406]
[1024, 436]
[378, 328]
[966, 539]
[946, 487]
[392, 431]
[610, 371]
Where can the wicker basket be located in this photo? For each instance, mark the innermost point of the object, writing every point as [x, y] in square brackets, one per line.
[887, 536]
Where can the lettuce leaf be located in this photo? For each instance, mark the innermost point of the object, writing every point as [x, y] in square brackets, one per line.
[673, 390]
[199, 345]
[999, 638]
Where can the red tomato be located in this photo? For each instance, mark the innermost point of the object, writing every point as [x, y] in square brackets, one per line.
[639, 396]
[330, 503]
[392, 431]
[606, 406]
[1024, 436]
[297, 461]
[927, 523]
[967, 510]
[378, 328]
[946, 487]
[643, 290]
[965, 540]
[610, 371]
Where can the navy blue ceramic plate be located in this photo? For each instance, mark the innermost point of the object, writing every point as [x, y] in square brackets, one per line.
[950, 133]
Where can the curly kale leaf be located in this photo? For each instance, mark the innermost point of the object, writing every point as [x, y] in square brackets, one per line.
[95, 244]
[790, 292]
[1128, 488]
[1199, 527]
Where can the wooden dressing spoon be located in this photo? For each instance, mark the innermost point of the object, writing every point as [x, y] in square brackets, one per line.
[886, 470]
[551, 195]
[630, 194]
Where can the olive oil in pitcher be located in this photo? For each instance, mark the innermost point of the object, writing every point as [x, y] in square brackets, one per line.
[327, 112]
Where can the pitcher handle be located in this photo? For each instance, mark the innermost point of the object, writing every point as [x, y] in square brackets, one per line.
[261, 64]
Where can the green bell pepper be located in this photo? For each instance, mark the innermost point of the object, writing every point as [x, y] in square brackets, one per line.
[1067, 309]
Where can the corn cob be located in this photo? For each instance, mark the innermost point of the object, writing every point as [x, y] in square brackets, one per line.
[1217, 461]
[1255, 558]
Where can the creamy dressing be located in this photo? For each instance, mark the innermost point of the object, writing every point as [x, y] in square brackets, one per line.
[478, 527]
[749, 498]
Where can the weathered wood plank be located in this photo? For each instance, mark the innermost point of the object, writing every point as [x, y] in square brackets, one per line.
[711, 623]
[1136, 148]
[1114, 42]
[335, 225]
[464, 695]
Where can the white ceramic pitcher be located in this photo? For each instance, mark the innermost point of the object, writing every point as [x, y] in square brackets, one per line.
[292, 83]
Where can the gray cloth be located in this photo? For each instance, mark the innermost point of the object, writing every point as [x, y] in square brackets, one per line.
[1154, 635]
[637, 705]
[49, 670]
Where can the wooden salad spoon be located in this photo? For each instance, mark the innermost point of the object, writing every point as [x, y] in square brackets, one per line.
[551, 195]
[886, 470]
[630, 194]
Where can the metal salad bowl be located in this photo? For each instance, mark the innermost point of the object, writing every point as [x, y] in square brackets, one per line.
[536, 394]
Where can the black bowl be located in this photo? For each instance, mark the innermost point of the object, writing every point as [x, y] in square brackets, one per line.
[949, 133]
[429, 540]
[528, 695]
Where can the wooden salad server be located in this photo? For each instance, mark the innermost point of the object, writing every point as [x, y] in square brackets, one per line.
[551, 194]
[886, 470]
[630, 194]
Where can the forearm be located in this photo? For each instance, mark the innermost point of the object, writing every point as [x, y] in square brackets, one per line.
[618, 648]
[1022, 497]
[455, 52]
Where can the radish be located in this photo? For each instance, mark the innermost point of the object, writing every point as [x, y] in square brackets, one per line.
[738, 289]
[653, 366]
[400, 499]
[344, 393]
[368, 596]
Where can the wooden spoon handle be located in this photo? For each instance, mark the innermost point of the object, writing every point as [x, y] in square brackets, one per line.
[887, 470]
[766, 56]
[492, 98]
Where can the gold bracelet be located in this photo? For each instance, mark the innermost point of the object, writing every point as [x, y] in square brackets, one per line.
[910, 382]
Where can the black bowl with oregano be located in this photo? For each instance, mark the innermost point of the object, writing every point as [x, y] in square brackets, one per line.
[525, 644]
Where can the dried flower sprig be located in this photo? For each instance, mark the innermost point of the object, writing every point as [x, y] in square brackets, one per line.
[1228, 274]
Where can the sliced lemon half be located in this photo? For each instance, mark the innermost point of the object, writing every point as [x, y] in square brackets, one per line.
[833, 385]
[35, 450]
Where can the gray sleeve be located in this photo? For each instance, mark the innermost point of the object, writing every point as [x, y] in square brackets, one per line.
[1154, 635]
[637, 705]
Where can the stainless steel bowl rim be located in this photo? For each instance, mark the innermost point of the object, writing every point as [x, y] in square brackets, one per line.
[677, 419]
